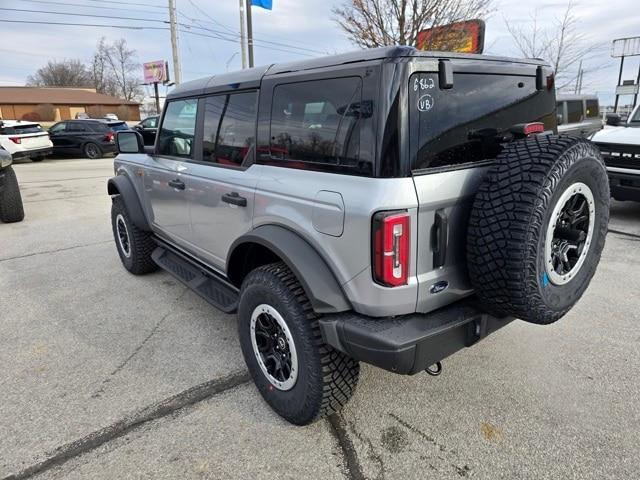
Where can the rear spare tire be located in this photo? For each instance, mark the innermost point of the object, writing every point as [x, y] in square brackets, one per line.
[538, 226]
[11, 208]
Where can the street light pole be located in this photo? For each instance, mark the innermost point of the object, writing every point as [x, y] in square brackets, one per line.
[177, 77]
[243, 50]
[249, 34]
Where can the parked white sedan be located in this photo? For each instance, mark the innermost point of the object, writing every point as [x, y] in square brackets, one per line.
[25, 139]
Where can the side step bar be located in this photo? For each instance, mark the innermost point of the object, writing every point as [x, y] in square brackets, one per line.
[206, 283]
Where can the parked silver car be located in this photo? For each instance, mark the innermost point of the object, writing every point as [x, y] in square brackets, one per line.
[579, 115]
[388, 206]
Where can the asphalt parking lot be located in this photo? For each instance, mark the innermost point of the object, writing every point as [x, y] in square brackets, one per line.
[108, 375]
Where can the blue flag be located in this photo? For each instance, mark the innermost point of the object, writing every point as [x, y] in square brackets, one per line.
[262, 3]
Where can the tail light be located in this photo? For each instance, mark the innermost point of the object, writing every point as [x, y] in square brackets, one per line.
[109, 137]
[391, 248]
[17, 140]
[526, 129]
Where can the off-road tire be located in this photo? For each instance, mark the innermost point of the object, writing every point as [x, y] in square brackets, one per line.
[326, 377]
[141, 242]
[92, 151]
[11, 208]
[509, 220]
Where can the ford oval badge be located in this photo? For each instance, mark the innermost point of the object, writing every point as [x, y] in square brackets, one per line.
[439, 287]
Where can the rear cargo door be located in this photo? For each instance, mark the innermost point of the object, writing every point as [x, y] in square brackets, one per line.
[454, 135]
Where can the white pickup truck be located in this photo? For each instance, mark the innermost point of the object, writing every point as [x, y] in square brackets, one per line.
[620, 147]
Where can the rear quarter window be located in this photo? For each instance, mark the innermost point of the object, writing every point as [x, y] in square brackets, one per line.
[315, 125]
[593, 110]
[574, 111]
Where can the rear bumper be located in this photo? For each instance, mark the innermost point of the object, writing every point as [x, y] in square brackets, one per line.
[408, 344]
[625, 186]
[36, 152]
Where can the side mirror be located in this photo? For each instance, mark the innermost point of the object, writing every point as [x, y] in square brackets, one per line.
[5, 159]
[138, 127]
[613, 119]
[129, 141]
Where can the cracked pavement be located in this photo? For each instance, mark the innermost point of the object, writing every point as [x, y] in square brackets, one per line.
[107, 375]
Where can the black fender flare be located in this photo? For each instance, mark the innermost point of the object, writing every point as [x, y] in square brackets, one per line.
[317, 279]
[122, 185]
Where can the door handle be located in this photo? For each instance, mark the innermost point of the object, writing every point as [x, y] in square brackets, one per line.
[234, 198]
[439, 238]
[177, 184]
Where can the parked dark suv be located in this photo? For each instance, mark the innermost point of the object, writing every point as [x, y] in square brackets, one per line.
[88, 137]
[386, 206]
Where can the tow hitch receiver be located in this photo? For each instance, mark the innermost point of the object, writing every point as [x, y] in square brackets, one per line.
[434, 370]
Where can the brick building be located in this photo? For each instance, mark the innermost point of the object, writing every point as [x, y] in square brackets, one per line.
[53, 104]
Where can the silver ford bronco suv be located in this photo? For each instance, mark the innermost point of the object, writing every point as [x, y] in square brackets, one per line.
[388, 206]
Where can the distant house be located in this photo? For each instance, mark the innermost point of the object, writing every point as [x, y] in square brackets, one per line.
[53, 104]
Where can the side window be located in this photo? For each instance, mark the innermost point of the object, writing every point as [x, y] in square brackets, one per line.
[76, 127]
[178, 129]
[574, 111]
[315, 125]
[229, 128]
[58, 127]
[592, 109]
[150, 122]
[560, 113]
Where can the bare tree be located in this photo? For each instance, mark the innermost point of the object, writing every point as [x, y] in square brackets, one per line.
[377, 23]
[563, 44]
[66, 73]
[115, 70]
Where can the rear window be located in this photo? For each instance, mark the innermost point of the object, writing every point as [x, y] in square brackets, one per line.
[21, 129]
[119, 126]
[593, 110]
[574, 111]
[315, 125]
[465, 124]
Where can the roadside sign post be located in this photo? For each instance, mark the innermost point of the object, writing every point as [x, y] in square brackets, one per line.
[155, 73]
[622, 48]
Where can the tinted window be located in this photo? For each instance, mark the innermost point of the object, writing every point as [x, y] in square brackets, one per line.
[58, 127]
[21, 129]
[229, 128]
[315, 125]
[560, 112]
[151, 122]
[178, 129]
[466, 123]
[574, 111]
[76, 127]
[592, 109]
[97, 126]
[116, 127]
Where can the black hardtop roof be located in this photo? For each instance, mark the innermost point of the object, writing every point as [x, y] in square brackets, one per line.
[245, 78]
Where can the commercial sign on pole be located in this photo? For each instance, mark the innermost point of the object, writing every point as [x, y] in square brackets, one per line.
[155, 72]
[622, 48]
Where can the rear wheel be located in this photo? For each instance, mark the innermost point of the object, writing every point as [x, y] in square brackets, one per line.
[92, 151]
[11, 208]
[299, 376]
[538, 227]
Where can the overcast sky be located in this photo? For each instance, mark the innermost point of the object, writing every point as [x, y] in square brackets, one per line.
[296, 28]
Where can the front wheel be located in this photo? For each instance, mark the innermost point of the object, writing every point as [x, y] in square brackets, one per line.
[134, 245]
[299, 376]
[11, 208]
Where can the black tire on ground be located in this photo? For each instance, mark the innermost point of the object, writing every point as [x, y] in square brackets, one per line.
[11, 209]
[326, 378]
[134, 245]
[522, 263]
[37, 159]
[92, 151]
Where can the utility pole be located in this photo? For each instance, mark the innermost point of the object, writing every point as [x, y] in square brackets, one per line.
[175, 48]
[249, 34]
[243, 50]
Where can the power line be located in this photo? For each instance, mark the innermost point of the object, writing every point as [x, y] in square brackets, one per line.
[83, 15]
[127, 3]
[66, 4]
[128, 27]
